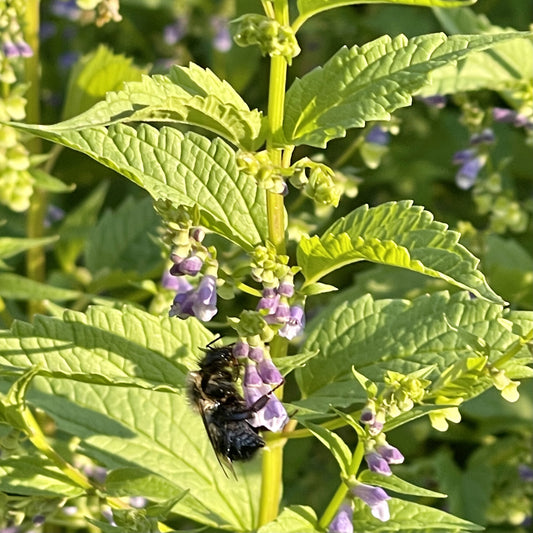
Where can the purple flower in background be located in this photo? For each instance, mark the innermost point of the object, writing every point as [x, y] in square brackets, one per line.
[222, 39]
[342, 522]
[168, 281]
[10, 49]
[484, 137]
[438, 100]
[378, 135]
[526, 473]
[502, 114]
[376, 498]
[295, 323]
[68, 9]
[67, 59]
[174, 32]
[469, 171]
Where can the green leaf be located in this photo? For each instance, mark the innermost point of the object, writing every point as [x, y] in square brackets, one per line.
[22, 288]
[190, 95]
[94, 75]
[35, 476]
[47, 182]
[126, 347]
[186, 168]
[293, 519]
[338, 448]
[367, 83]
[396, 234]
[288, 363]
[121, 240]
[159, 432]
[404, 336]
[406, 517]
[308, 8]
[506, 67]
[76, 227]
[10, 246]
[129, 481]
[396, 484]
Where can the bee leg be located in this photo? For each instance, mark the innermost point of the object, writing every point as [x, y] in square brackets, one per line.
[262, 401]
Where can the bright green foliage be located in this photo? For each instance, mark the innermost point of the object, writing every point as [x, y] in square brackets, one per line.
[367, 83]
[94, 75]
[293, 519]
[191, 95]
[408, 517]
[123, 348]
[186, 168]
[35, 476]
[308, 8]
[396, 484]
[23, 288]
[396, 234]
[374, 336]
[10, 246]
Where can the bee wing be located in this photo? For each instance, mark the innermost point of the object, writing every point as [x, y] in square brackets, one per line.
[216, 440]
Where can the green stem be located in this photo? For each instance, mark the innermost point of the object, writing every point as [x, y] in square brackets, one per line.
[342, 491]
[272, 466]
[35, 257]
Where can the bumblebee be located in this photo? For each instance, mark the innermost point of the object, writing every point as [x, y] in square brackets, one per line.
[213, 393]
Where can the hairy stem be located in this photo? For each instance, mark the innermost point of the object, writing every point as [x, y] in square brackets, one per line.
[271, 481]
[342, 491]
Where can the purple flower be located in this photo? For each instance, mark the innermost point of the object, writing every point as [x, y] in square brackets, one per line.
[377, 463]
[252, 377]
[526, 473]
[467, 174]
[269, 372]
[376, 498]
[286, 288]
[282, 313]
[222, 40]
[391, 454]
[199, 302]
[273, 415]
[502, 114]
[68, 9]
[295, 323]
[377, 135]
[174, 32]
[205, 306]
[256, 353]
[269, 301]
[189, 266]
[25, 50]
[462, 156]
[10, 49]
[168, 281]
[241, 349]
[438, 100]
[484, 137]
[342, 522]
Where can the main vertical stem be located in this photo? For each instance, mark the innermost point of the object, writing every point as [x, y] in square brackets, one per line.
[271, 480]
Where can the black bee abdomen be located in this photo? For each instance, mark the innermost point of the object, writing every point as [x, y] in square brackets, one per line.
[242, 441]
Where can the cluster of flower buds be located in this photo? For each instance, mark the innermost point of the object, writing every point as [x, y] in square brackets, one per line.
[260, 166]
[190, 258]
[278, 305]
[473, 158]
[13, 43]
[16, 181]
[317, 181]
[261, 377]
[273, 38]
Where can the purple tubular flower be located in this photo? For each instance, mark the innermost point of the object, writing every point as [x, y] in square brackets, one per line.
[377, 463]
[10, 49]
[467, 174]
[526, 473]
[462, 156]
[269, 372]
[438, 100]
[168, 281]
[376, 498]
[377, 135]
[342, 522]
[252, 377]
[199, 302]
[24, 49]
[174, 32]
[486, 136]
[502, 114]
[286, 289]
[241, 349]
[273, 415]
[222, 40]
[256, 353]
[295, 323]
[269, 301]
[205, 305]
[391, 454]
[282, 314]
[189, 266]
